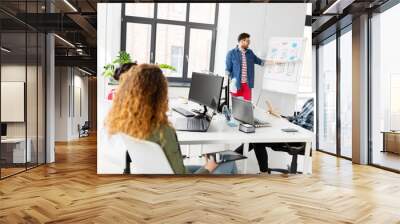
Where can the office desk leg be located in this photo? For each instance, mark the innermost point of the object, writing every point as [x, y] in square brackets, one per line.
[245, 153]
[307, 159]
[188, 151]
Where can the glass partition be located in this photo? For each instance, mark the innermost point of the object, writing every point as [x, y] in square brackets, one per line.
[22, 77]
[14, 153]
[346, 94]
[385, 90]
[327, 97]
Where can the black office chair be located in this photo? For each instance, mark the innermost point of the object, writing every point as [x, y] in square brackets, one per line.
[225, 99]
[293, 149]
[84, 129]
[128, 161]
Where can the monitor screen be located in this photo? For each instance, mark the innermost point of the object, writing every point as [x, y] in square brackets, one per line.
[206, 89]
[3, 129]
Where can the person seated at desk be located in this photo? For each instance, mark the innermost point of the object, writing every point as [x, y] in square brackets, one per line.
[304, 119]
[140, 110]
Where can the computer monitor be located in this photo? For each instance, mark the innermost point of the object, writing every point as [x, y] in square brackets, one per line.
[3, 130]
[206, 89]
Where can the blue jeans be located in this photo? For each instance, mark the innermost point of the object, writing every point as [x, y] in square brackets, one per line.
[224, 168]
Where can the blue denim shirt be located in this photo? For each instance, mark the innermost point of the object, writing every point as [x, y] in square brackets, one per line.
[234, 66]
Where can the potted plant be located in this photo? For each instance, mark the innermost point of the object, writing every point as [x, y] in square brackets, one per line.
[123, 58]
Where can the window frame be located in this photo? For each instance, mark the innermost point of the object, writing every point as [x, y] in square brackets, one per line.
[187, 24]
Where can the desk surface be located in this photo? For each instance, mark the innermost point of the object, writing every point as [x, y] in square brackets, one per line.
[220, 133]
[13, 140]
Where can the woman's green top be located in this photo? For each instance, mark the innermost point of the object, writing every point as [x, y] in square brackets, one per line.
[166, 137]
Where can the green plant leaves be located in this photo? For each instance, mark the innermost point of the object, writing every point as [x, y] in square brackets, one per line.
[165, 66]
[124, 58]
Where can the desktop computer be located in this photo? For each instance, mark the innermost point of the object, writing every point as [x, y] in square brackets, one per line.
[205, 90]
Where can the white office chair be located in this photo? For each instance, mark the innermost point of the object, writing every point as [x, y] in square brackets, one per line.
[147, 157]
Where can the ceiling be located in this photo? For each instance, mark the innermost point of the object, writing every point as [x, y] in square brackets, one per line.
[329, 16]
[73, 21]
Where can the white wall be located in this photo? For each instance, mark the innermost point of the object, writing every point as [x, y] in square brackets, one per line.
[67, 112]
[262, 21]
[16, 73]
[108, 46]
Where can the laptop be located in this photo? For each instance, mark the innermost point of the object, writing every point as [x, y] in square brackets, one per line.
[242, 111]
[192, 124]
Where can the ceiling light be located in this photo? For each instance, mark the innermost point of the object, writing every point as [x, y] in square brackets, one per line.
[5, 50]
[64, 40]
[70, 5]
[333, 6]
[338, 6]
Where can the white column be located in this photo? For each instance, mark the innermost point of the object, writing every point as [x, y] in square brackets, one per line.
[50, 99]
[360, 90]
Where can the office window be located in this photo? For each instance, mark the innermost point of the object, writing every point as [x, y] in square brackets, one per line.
[202, 13]
[169, 38]
[199, 50]
[138, 46]
[327, 97]
[140, 10]
[394, 101]
[346, 94]
[180, 34]
[172, 11]
[385, 89]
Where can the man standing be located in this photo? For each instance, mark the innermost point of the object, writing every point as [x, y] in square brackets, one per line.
[240, 67]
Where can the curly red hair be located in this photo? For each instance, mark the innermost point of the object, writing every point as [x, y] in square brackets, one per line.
[140, 104]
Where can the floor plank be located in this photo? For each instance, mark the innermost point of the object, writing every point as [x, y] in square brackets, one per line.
[70, 191]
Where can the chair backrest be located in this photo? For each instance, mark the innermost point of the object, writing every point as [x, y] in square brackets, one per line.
[86, 125]
[147, 157]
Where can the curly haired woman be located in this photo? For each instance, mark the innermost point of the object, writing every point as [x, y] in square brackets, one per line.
[140, 110]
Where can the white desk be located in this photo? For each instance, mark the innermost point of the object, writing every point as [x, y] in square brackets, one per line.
[220, 133]
[19, 155]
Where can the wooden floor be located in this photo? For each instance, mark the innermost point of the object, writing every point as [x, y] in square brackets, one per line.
[70, 191]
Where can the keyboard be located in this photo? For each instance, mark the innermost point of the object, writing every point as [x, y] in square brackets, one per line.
[260, 123]
[184, 112]
[192, 124]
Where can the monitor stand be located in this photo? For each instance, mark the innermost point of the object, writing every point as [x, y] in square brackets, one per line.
[202, 115]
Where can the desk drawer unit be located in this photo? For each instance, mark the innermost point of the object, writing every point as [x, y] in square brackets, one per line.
[391, 141]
